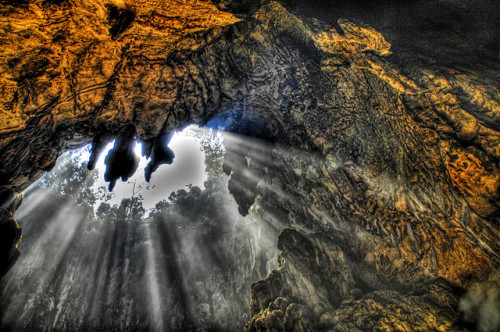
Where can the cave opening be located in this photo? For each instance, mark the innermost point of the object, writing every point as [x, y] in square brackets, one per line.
[173, 253]
[232, 221]
[357, 190]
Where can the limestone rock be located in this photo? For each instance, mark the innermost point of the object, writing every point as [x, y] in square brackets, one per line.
[386, 140]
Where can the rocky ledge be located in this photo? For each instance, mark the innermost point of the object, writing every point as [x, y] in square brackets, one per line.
[385, 152]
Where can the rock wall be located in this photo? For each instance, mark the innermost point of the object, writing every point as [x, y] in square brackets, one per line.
[387, 170]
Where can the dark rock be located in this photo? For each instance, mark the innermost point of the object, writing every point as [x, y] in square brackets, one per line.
[244, 8]
[98, 145]
[387, 166]
[120, 19]
[10, 232]
[121, 161]
[160, 154]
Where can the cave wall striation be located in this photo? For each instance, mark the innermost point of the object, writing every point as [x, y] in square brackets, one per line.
[387, 167]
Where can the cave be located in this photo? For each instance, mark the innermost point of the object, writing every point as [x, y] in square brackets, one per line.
[349, 155]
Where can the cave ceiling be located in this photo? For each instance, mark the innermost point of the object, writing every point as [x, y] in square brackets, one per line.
[399, 103]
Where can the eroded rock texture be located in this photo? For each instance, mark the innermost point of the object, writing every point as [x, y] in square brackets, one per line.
[387, 171]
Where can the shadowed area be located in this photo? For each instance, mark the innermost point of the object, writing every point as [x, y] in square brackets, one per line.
[361, 145]
[186, 264]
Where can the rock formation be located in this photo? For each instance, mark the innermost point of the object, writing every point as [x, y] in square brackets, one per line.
[387, 143]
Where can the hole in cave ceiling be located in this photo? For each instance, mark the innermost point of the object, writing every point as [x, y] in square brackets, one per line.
[176, 249]
[363, 203]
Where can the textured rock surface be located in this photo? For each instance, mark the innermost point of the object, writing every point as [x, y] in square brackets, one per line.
[389, 170]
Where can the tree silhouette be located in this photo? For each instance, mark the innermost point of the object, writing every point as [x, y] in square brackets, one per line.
[74, 182]
[211, 143]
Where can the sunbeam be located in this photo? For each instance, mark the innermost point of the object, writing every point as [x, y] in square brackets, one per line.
[249, 165]
[155, 302]
[141, 256]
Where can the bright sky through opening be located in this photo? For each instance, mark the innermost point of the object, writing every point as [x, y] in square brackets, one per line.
[188, 168]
